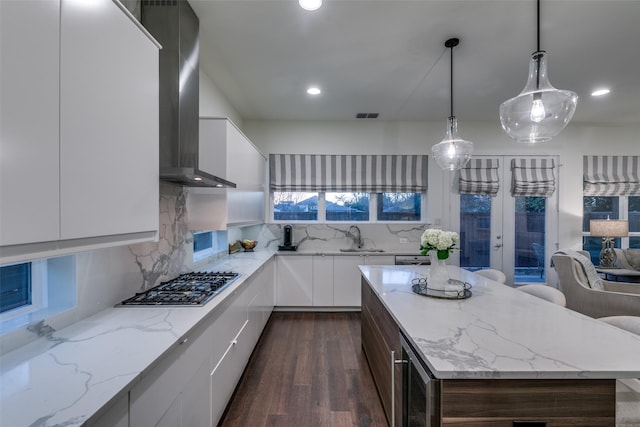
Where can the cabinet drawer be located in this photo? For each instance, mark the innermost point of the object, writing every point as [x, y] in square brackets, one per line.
[227, 371]
[554, 401]
[164, 383]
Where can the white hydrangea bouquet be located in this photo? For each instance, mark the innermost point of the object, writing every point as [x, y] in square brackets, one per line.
[443, 242]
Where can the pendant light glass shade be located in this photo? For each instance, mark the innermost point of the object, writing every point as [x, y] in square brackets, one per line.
[452, 152]
[541, 111]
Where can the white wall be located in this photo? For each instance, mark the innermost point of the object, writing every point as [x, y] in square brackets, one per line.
[381, 137]
[213, 103]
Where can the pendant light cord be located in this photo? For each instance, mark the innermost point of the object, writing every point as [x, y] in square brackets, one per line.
[451, 79]
[538, 26]
[537, 54]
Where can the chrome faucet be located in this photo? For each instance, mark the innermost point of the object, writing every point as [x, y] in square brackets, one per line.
[357, 239]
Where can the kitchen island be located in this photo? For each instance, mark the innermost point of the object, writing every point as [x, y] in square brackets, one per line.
[501, 355]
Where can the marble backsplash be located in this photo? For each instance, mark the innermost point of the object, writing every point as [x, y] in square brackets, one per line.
[399, 238]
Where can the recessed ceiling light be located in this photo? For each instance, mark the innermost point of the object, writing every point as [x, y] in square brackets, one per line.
[310, 4]
[314, 91]
[600, 92]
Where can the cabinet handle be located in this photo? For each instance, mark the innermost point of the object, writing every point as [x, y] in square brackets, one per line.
[394, 362]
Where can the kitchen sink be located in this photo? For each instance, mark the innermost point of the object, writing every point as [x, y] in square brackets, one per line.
[361, 250]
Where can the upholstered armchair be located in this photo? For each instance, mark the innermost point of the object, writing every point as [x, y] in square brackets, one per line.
[589, 294]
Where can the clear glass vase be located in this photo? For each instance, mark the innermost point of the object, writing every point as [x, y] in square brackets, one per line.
[438, 273]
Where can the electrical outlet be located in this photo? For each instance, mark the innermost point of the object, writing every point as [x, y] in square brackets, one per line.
[404, 240]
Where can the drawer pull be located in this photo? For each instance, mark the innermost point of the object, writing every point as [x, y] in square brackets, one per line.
[529, 424]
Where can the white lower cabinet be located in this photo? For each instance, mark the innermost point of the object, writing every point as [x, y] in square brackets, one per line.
[117, 415]
[346, 277]
[157, 399]
[323, 292]
[322, 280]
[227, 371]
[192, 384]
[294, 286]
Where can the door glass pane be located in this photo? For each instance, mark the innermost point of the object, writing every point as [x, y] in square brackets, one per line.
[295, 206]
[475, 231]
[634, 214]
[598, 207]
[347, 206]
[530, 239]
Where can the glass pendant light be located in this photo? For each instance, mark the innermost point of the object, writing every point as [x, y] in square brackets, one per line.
[541, 111]
[452, 152]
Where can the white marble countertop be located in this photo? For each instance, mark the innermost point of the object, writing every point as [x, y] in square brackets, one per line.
[501, 332]
[65, 379]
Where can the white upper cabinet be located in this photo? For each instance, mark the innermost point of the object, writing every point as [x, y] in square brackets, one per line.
[108, 123]
[29, 121]
[79, 146]
[227, 153]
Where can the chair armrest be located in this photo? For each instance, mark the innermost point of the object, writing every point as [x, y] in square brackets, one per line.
[624, 287]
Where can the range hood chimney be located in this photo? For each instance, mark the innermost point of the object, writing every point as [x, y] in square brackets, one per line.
[174, 24]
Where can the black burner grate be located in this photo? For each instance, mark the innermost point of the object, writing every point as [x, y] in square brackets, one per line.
[190, 289]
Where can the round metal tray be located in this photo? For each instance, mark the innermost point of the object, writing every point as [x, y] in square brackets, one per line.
[420, 286]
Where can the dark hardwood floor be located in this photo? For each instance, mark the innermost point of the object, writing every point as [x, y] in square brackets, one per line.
[308, 369]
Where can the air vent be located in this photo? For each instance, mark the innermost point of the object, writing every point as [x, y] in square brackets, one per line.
[367, 115]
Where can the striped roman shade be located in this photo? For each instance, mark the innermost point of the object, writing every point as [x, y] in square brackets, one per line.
[611, 175]
[480, 176]
[348, 173]
[533, 177]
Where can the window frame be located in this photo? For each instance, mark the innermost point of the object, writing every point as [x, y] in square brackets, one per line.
[623, 213]
[38, 292]
[373, 213]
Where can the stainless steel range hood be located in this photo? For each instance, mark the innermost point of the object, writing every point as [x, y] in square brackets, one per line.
[174, 24]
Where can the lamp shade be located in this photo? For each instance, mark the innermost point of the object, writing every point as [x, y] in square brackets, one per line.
[609, 228]
[540, 111]
[453, 152]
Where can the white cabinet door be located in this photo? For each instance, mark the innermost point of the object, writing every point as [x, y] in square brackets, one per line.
[226, 152]
[196, 398]
[29, 121]
[227, 372]
[323, 281]
[116, 416]
[346, 280]
[295, 281]
[108, 123]
[172, 415]
[164, 385]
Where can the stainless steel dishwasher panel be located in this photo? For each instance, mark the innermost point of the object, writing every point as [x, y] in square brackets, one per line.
[412, 260]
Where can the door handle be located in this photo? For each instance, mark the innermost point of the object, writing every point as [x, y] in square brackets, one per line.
[497, 246]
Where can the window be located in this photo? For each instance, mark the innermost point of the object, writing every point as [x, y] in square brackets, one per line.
[15, 286]
[612, 207]
[347, 207]
[295, 206]
[399, 206]
[208, 243]
[36, 290]
[365, 188]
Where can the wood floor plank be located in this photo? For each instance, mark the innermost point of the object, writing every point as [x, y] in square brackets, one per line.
[307, 370]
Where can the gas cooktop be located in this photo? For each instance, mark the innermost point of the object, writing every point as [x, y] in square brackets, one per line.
[190, 289]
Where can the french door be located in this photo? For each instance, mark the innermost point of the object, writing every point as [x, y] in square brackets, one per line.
[515, 235]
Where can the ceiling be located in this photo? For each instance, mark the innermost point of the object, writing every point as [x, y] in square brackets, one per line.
[388, 56]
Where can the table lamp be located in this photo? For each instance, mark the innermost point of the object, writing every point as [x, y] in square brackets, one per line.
[608, 229]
